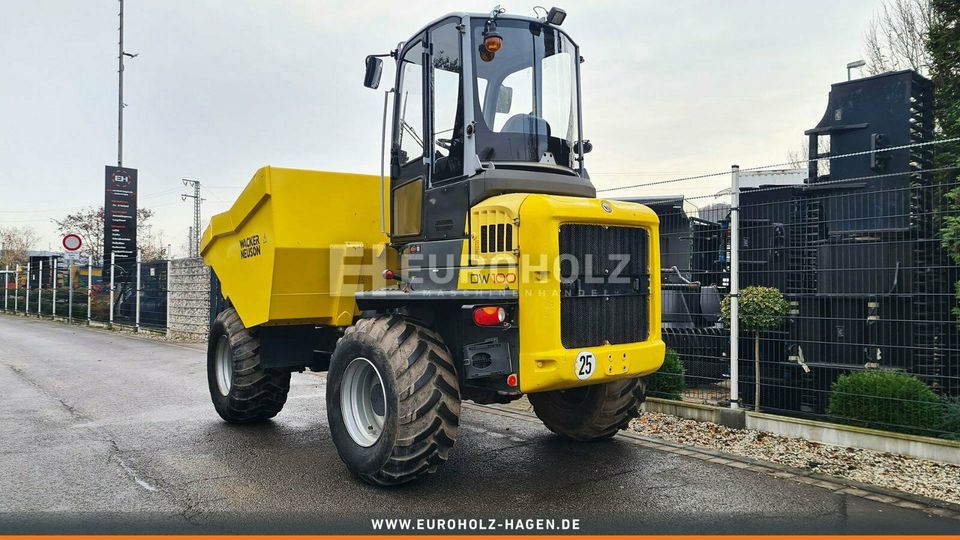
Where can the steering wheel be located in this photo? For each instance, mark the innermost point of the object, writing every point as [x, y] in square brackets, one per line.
[446, 144]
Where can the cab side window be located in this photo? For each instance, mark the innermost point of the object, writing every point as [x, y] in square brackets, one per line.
[447, 103]
[411, 105]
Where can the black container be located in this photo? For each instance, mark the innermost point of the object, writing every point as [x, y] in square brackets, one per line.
[702, 351]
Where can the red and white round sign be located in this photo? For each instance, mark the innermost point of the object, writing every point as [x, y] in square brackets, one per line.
[72, 242]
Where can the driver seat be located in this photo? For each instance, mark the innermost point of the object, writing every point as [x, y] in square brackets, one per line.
[527, 124]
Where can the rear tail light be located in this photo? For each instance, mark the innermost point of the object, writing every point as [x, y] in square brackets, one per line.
[489, 315]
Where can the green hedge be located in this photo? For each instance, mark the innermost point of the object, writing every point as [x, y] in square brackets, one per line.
[668, 382]
[886, 400]
[951, 417]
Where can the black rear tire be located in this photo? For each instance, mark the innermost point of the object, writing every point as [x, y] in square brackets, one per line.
[421, 410]
[255, 394]
[590, 413]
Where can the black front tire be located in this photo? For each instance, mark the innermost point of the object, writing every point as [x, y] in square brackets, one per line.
[590, 413]
[255, 394]
[422, 400]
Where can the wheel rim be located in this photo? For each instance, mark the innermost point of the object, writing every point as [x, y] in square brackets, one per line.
[363, 401]
[224, 365]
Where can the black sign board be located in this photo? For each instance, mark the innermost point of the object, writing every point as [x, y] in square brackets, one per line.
[120, 214]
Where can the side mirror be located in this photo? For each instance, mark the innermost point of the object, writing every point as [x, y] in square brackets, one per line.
[587, 147]
[371, 78]
[504, 99]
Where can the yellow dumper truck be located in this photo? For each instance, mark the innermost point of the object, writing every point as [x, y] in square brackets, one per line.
[481, 268]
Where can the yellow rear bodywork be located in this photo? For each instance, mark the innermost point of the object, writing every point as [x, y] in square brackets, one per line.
[296, 245]
[533, 270]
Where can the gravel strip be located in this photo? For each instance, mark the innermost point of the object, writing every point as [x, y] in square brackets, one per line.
[918, 476]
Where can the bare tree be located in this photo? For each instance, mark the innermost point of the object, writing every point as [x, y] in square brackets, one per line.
[799, 158]
[88, 223]
[15, 242]
[150, 245]
[897, 37]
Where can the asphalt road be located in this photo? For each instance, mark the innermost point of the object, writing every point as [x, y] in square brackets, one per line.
[102, 432]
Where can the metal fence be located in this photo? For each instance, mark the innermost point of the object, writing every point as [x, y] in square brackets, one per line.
[869, 328]
[130, 294]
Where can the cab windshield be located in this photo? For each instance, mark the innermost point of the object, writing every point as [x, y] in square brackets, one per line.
[526, 105]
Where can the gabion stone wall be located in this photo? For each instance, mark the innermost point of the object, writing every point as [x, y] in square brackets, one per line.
[189, 284]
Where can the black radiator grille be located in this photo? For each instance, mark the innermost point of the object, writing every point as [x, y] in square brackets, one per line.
[605, 285]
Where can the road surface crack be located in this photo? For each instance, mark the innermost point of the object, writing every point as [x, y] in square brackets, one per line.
[114, 452]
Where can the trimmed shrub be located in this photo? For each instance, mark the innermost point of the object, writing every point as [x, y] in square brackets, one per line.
[761, 308]
[668, 382]
[886, 400]
[951, 417]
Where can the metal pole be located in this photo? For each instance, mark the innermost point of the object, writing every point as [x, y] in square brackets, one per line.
[113, 258]
[137, 292]
[26, 307]
[383, 149]
[16, 287]
[70, 293]
[735, 288]
[39, 286]
[90, 285]
[6, 285]
[195, 230]
[120, 94]
[56, 265]
[167, 285]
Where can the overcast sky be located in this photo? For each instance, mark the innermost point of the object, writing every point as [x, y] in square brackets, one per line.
[222, 87]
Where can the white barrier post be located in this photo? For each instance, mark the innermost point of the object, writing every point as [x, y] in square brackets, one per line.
[26, 307]
[70, 293]
[113, 258]
[56, 266]
[169, 266]
[16, 287]
[735, 288]
[39, 287]
[136, 290]
[90, 285]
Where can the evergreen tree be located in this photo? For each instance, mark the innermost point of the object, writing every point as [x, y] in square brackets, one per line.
[944, 47]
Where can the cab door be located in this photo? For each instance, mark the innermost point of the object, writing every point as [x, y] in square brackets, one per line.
[409, 158]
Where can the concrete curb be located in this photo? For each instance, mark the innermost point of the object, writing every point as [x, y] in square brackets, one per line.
[915, 446]
[841, 486]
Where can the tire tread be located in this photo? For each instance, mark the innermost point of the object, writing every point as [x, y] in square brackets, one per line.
[428, 394]
[256, 394]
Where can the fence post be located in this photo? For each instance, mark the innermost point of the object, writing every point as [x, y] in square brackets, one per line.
[136, 291]
[26, 307]
[735, 287]
[113, 258]
[169, 266]
[39, 287]
[70, 293]
[56, 266]
[90, 285]
[6, 285]
[16, 287]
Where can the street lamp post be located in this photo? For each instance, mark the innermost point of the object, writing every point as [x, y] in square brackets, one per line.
[853, 65]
